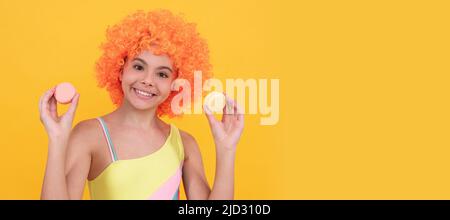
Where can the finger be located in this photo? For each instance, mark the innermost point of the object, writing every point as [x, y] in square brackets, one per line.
[239, 113]
[43, 106]
[225, 111]
[228, 110]
[41, 99]
[233, 107]
[228, 105]
[45, 99]
[40, 102]
[41, 111]
[53, 107]
[211, 119]
[73, 106]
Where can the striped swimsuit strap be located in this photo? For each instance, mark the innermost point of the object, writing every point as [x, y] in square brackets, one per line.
[108, 139]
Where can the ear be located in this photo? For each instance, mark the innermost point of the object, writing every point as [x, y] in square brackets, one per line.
[120, 75]
[123, 62]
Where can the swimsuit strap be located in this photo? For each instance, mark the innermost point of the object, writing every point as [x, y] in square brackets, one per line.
[108, 139]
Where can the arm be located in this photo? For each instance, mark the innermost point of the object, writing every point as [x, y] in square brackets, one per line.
[54, 186]
[68, 159]
[68, 165]
[226, 136]
[194, 179]
[78, 158]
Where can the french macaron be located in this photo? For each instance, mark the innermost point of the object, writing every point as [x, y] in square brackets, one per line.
[64, 92]
[215, 101]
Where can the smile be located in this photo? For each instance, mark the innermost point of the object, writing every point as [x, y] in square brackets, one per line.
[143, 94]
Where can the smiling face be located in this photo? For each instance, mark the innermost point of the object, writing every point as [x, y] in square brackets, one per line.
[146, 80]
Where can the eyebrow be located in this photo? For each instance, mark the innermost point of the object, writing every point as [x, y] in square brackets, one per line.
[161, 67]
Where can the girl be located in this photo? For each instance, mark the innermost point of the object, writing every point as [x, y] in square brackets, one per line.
[131, 153]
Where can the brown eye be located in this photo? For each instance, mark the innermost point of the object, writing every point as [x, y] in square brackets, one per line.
[138, 67]
[164, 75]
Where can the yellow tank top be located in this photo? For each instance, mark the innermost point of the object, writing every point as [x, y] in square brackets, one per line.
[154, 176]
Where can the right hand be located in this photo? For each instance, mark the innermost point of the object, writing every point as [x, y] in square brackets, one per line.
[57, 127]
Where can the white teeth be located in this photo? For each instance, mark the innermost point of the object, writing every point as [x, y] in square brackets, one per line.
[143, 93]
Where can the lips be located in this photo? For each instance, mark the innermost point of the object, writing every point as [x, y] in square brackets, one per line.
[143, 94]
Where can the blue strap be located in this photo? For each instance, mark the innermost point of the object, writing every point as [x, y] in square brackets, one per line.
[108, 138]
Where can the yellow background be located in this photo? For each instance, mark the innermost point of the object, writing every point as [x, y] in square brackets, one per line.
[364, 91]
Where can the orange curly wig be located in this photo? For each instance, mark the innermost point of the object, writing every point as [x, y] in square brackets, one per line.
[172, 35]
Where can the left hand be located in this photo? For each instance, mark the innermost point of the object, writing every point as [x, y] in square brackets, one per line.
[226, 132]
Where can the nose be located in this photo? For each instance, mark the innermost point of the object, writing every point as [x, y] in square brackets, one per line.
[148, 79]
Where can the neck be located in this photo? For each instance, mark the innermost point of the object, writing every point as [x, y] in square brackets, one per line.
[130, 116]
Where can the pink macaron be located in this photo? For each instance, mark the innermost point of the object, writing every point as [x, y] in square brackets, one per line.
[64, 92]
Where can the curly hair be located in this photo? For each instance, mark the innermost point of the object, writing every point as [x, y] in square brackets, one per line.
[140, 31]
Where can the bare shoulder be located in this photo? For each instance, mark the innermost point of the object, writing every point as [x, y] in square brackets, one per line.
[86, 128]
[187, 138]
[85, 133]
[189, 143]
[81, 147]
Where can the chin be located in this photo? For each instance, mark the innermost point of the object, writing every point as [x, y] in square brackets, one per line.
[144, 104]
[140, 105]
